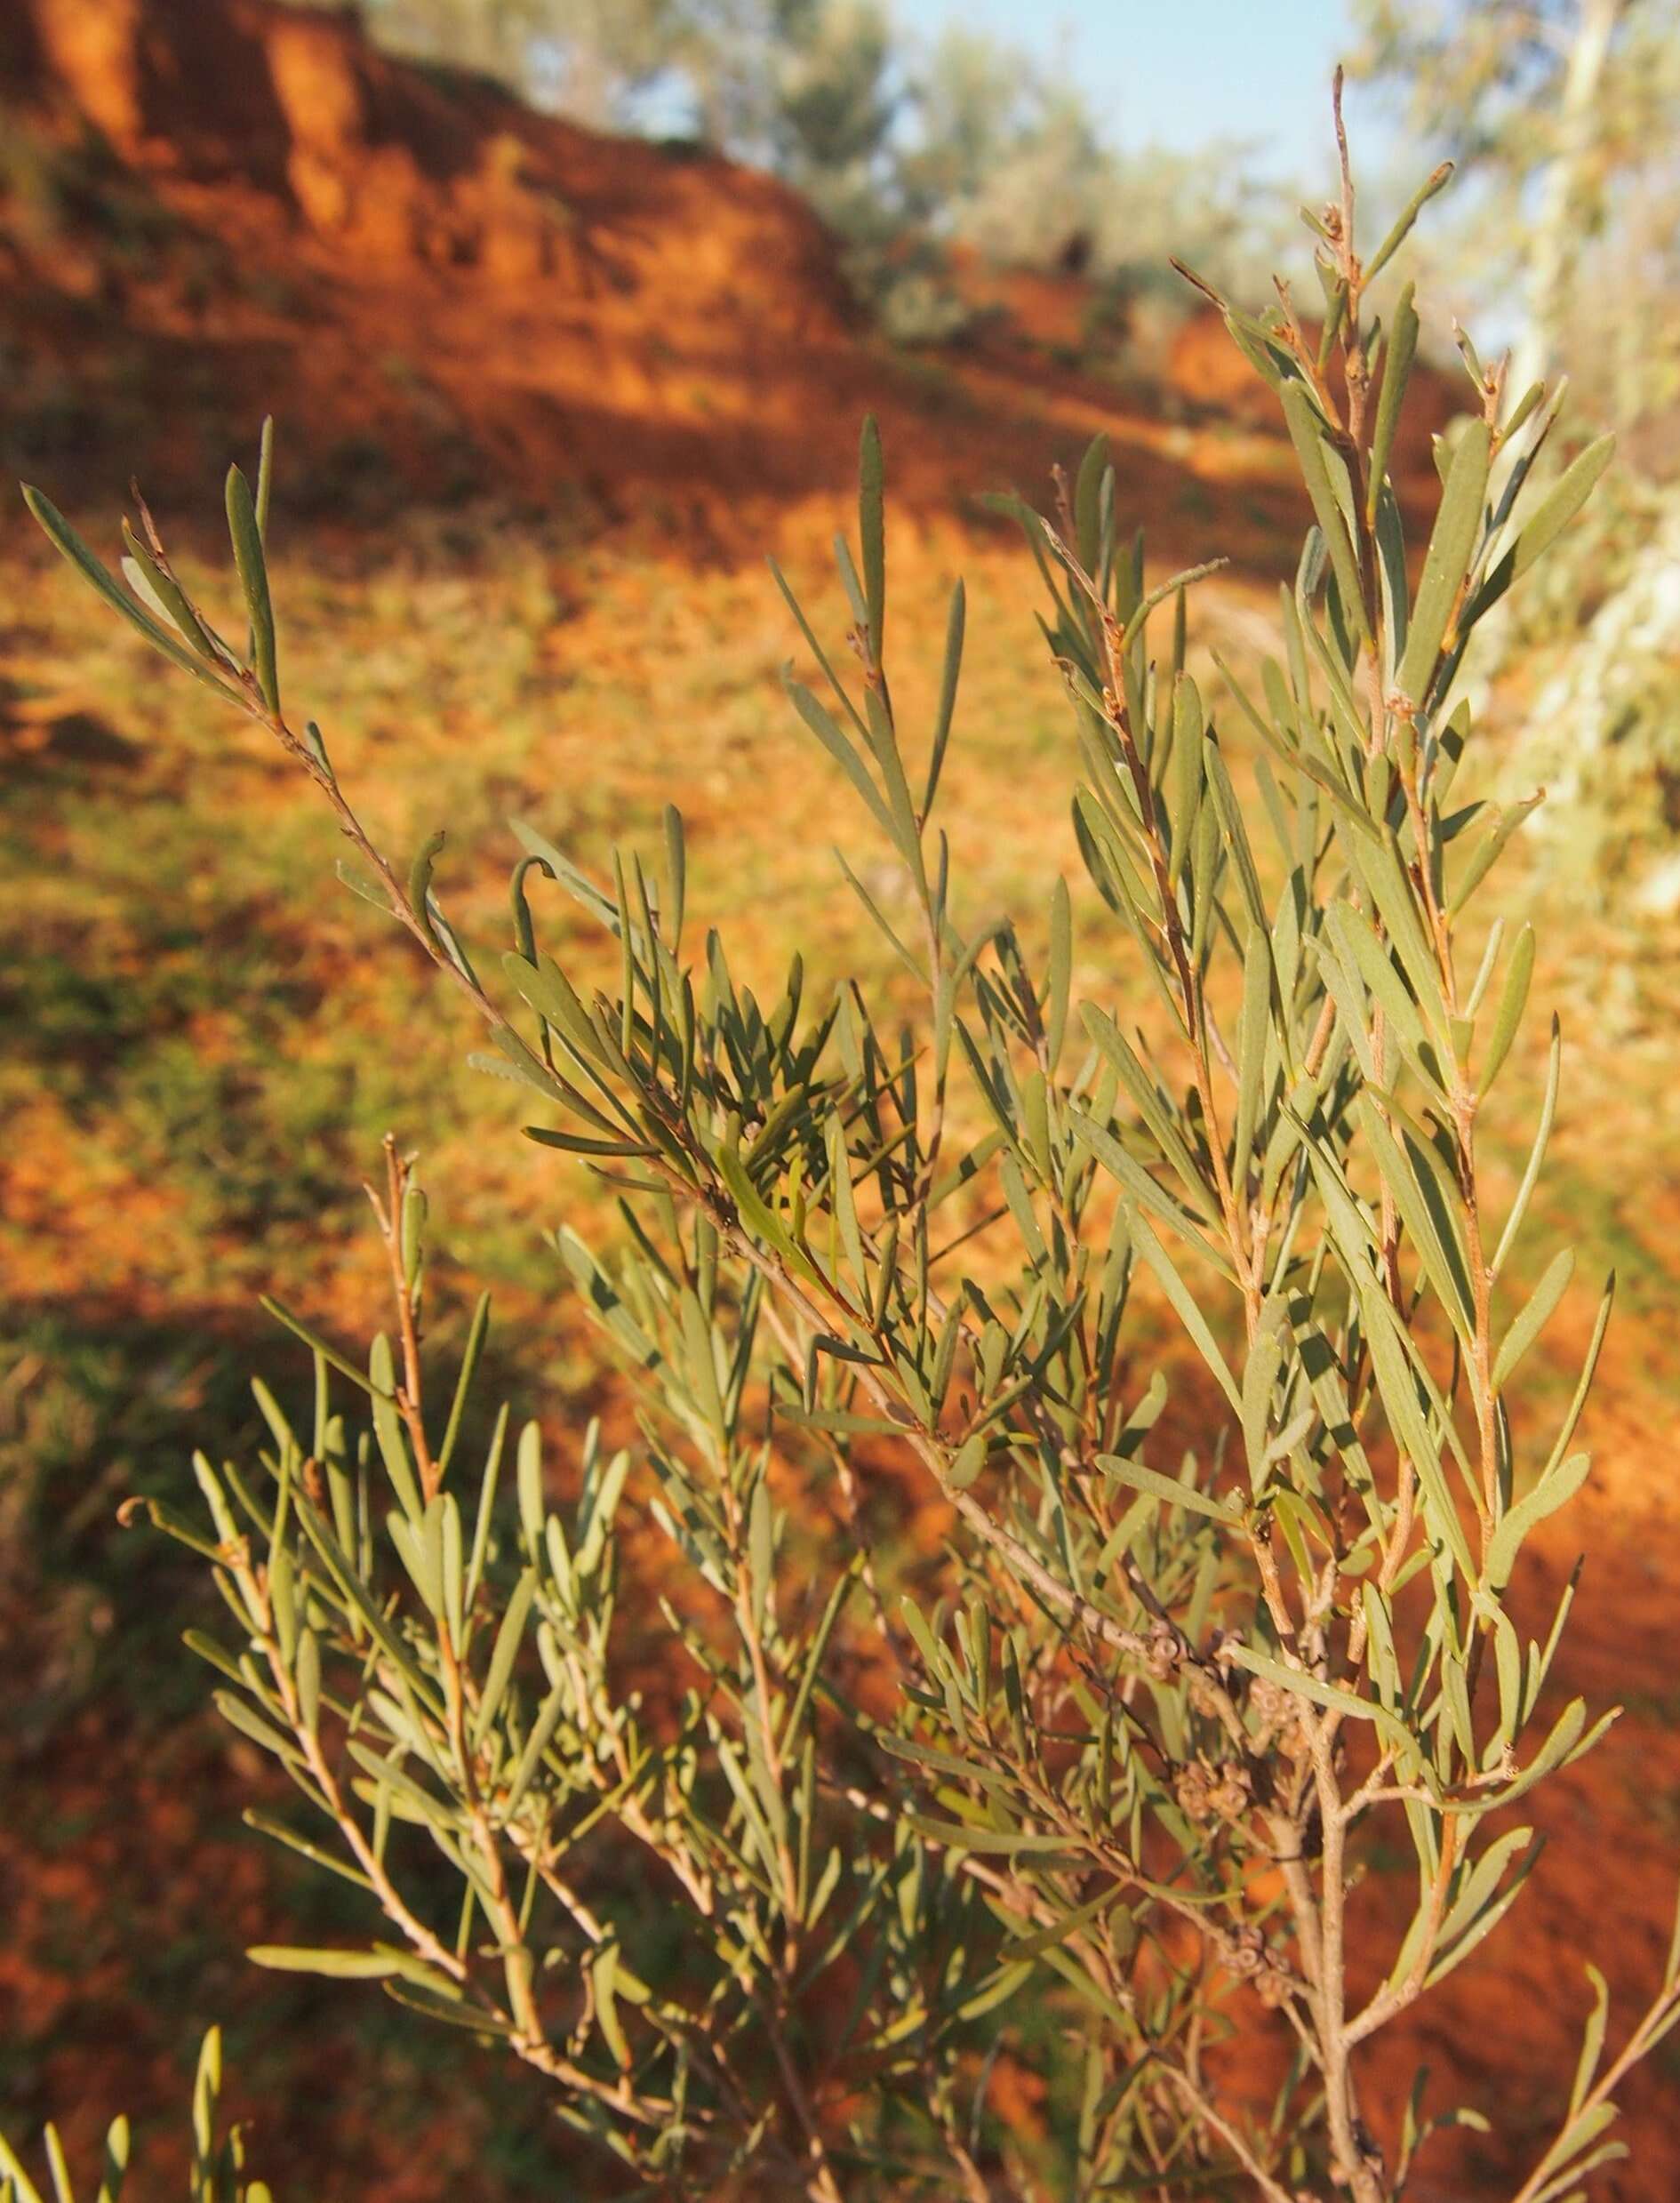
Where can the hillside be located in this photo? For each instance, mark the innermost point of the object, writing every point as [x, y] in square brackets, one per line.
[214, 208]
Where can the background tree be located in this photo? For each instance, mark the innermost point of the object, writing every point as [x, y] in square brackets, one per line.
[1565, 115]
[1562, 113]
[903, 147]
[586, 58]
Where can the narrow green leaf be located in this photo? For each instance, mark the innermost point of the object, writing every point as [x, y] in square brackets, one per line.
[1145, 1191]
[1259, 1375]
[1512, 1000]
[1253, 1033]
[1188, 773]
[835, 1419]
[57, 2165]
[1560, 505]
[265, 475]
[541, 1736]
[271, 1825]
[1230, 812]
[329, 1354]
[116, 2164]
[843, 751]
[476, 1332]
[1189, 1314]
[1308, 432]
[1174, 586]
[11, 2168]
[954, 630]
[168, 597]
[1437, 180]
[1012, 1843]
[388, 1426]
[1556, 1488]
[420, 878]
[1169, 1489]
[253, 578]
[509, 1637]
[1458, 524]
[1407, 1417]
[579, 1143]
[1531, 1171]
[376, 1965]
[1060, 972]
[66, 541]
[1592, 2042]
[1158, 1113]
[871, 534]
[1397, 369]
[1060, 1930]
[1087, 505]
[1482, 1902]
[1489, 847]
[1534, 1317]
[1434, 1229]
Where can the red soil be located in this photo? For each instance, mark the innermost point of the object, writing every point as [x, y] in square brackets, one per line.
[421, 277]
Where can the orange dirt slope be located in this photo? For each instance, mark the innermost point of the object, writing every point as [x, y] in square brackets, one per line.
[216, 208]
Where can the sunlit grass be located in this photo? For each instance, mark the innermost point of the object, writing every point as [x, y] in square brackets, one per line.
[209, 1033]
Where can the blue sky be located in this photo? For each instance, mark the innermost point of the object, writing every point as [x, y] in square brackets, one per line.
[1181, 72]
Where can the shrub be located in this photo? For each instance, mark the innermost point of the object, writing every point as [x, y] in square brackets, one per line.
[1097, 1793]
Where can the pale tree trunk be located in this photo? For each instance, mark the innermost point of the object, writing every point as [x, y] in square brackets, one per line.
[1552, 252]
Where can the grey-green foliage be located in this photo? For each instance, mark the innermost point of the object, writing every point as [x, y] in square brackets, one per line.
[904, 147]
[1565, 113]
[767, 78]
[1012, 160]
[1097, 1790]
[589, 57]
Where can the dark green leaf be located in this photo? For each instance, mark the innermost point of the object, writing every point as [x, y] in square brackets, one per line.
[1397, 369]
[1309, 435]
[65, 539]
[1458, 524]
[871, 532]
[253, 578]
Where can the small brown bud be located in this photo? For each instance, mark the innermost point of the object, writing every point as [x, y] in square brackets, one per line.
[1272, 1985]
[1278, 1713]
[1267, 1700]
[1162, 1657]
[1231, 1793]
[1193, 1792]
[1246, 1952]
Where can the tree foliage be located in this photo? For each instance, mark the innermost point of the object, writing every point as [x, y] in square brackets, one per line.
[965, 138]
[1101, 1790]
[1565, 113]
[1567, 116]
